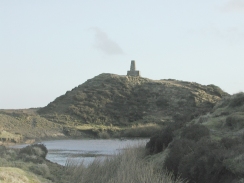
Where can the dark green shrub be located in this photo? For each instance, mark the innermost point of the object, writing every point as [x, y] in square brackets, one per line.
[178, 149]
[222, 103]
[182, 118]
[40, 169]
[206, 160]
[3, 150]
[162, 102]
[237, 100]
[159, 142]
[80, 96]
[38, 150]
[216, 90]
[235, 120]
[205, 164]
[228, 142]
[195, 132]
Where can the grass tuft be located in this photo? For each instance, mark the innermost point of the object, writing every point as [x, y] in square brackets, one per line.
[127, 166]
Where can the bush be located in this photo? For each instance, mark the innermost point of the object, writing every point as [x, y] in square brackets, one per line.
[206, 160]
[229, 143]
[216, 90]
[195, 132]
[103, 135]
[162, 102]
[178, 149]
[35, 153]
[237, 100]
[38, 150]
[40, 169]
[205, 164]
[159, 142]
[181, 118]
[235, 120]
[222, 103]
[3, 150]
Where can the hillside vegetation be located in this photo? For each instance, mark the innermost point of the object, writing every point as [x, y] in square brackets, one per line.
[111, 103]
[28, 165]
[206, 149]
[197, 131]
[26, 126]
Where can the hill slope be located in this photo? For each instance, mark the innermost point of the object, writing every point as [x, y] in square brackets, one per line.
[25, 126]
[209, 148]
[110, 99]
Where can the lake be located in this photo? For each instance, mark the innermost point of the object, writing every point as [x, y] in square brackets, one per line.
[86, 150]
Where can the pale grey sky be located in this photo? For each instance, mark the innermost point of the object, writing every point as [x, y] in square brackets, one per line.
[48, 47]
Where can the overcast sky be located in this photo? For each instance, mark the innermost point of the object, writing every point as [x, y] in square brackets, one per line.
[50, 46]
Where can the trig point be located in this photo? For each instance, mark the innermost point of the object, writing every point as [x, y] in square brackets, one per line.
[132, 71]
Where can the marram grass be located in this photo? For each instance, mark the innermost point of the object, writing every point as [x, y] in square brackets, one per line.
[129, 166]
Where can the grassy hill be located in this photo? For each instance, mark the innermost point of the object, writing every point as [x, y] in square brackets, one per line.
[110, 100]
[26, 126]
[112, 105]
[197, 131]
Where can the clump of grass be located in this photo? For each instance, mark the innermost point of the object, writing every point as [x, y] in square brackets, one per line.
[128, 166]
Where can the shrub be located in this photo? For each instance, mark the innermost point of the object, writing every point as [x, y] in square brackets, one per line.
[206, 160]
[216, 90]
[237, 100]
[103, 135]
[222, 103]
[2, 150]
[159, 142]
[181, 118]
[38, 150]
[162, 102]
[12, 154]
[205, 163]
[228, 142]
[235, 120]
[178, 149]
[203, 118]
[195, 132]
[40, 169]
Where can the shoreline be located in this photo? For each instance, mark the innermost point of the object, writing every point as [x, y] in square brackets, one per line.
[40, 140]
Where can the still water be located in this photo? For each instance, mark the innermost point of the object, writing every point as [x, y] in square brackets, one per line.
[86, 150]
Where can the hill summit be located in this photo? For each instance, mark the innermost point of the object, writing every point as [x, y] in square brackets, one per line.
[110, 99]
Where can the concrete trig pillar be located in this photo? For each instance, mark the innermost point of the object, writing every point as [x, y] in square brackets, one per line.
[133, 65]
[132, 71]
